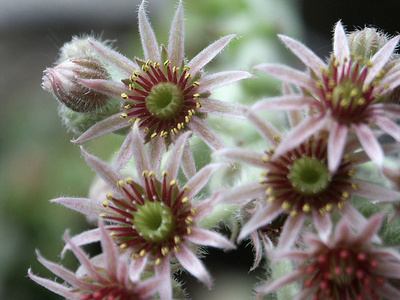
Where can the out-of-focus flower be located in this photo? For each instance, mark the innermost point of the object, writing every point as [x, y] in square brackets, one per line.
[166, 94]
[101, 277]
[344, 267]
[298, 183]
[153, 217]
[346, 95]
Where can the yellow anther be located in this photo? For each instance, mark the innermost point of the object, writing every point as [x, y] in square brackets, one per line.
[351, 172]
[133, 78]
[345, 195]
[175, 70]
[193, 111]
[271, 199]
[131, 87]
[167, 63]
[105, 203]
[328, 96]
[189, 220]
[145, 68]
[120, 183]
[265, 159]
[196, 84]
[102, 215]
[135, 256]
[386, 86]
[136, 73]
[306, 208]
[182, 125]
[354, 186]
[294, 213]
[269, 191]
[177, 248]
[157, 65]
[340, 205]
[179, 126]
[329, 207]
[123, 116]
[353, 92]
[146, 130]
[173, 182]
[152, 174]
[319, 85]
[177, 239]
[185, 200]
[164, 250]
[198, 104]
[187, 188]
[142, 253]
[175, 130]
[322, 211]
[158, 261]
[193, 211]
[187, 119]
[132, 120]
[109, 196]
[196, 96]
[123, 246]
[154, 135]
[189, 230]
[188, 76]
[186, 68]
[368, 63]
[190, 113]
[271, 149]
[361, 101]
[124, 96]
[277, 138]
[128, 106]
[145, 173]
[112, 234]
[286, 205]
[149, 63]
[331, 83]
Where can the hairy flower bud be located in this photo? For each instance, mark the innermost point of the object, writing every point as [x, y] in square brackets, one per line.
[76, 62]
[366, 42]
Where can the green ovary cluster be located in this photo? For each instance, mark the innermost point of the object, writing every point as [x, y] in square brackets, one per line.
[309, 176]
[154, 221]
[165, 100]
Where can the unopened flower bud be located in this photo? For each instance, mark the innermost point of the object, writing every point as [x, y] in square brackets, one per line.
[76, 62]
[366, 42]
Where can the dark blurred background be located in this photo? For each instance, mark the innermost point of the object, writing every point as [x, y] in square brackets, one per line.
[37, 161]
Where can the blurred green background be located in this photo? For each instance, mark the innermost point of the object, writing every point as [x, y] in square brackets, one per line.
[37, 160]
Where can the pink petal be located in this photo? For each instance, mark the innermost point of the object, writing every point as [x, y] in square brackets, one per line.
[266, 129]
[125, 152]
[241, 194]
[209, 238]
[388, 269]
[257, 248]
[85, 262]
[188, 163]
[290, 232]
[224, 109]
[205, 56]
[147, 288]
[300, 133]
[388, 126]
[198, 181]
[380, 58]
[113, 58]
[389, 82]
[261, 218]
[136, 268]
[148, 38]
[375, 192]
[177, 38]
[175, 156]
[107, 87]
[83, 205]
[105, 171]
[241, 155]
[65, 274]
[323, 225]
[191, 263]
[156, 148]
[198, 126]
[285, 103]
[388, 291]
[139, 151]
[110, 253]
[288, 74]
[84, 238]
[336, 144]
[217, 80]
[340, 43]
[110, 124]
[270, 287]
[369, 142]
[369, 230]
[307, 56]
[53, 286]
[163, 272]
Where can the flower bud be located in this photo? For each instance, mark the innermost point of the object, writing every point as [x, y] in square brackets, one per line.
[76, 62]
[366, 42]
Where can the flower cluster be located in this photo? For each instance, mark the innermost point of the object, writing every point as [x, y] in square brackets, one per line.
[313, 209]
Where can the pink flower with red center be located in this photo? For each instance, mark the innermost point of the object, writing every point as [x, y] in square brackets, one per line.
[163, 92]
[347, 266]
[298, 184]
[102, 277]
[346, 95]
[153, 217]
